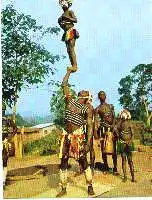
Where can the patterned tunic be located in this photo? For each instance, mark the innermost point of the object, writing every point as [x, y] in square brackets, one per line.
[73, 142]
[75, 113]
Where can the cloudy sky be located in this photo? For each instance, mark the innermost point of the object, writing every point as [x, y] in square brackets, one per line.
[115, 36]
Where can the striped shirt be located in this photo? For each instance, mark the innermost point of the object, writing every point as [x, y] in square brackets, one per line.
[77, 117]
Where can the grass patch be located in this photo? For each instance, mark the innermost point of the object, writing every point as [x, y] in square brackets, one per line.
[45, 146]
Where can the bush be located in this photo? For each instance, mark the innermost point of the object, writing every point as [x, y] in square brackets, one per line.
[45, 146]
[147, 139]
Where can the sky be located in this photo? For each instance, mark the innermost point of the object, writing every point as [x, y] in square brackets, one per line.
[115, 36]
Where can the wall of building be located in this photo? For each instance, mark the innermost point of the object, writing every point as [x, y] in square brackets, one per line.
[47, 130]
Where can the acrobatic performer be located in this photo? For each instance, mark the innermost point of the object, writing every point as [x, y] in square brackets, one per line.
[125, 144]
[66, 22]
[73, 142]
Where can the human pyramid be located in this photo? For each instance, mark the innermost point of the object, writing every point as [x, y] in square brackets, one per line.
[83, 123]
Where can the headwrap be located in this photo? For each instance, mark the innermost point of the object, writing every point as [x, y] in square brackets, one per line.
[125, 114]
[66, 3]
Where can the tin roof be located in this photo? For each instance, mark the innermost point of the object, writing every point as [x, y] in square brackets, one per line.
[43, 125]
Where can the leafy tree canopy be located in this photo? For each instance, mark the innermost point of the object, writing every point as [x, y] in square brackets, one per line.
[25, 61]
[136, 91]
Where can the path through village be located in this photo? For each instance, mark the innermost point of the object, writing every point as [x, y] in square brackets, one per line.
[27, 177]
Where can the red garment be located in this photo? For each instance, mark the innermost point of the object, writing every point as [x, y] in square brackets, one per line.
[75, 143]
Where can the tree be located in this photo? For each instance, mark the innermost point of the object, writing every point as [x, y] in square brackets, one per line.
[20, 121]
[136, 90]
[25, 61]
[125, 89]
[58, 105]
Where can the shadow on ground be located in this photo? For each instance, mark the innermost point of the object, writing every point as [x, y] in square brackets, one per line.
[47, 169]
[51, 170]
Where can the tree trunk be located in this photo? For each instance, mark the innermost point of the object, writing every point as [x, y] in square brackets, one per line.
[14, 108]
[148, 114]
[15, 138]
[149, 119]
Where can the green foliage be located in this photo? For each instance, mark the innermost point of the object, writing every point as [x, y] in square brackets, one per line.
[25, 61]
[34, 120]
[58, 105]
[45, 146]
[135, 91]
[20, 121]
[125, 91]
[147, 136]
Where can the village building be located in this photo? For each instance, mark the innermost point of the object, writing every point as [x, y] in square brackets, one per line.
[28, 134]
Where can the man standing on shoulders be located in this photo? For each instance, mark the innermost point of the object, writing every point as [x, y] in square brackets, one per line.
[103, 130]
[73, 142]
[66, 22]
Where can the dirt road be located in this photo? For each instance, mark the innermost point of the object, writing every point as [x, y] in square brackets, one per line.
[25, 188]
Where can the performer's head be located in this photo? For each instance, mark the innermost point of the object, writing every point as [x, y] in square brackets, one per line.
[85, 96]
[124, 114]
[102, 96]
[65, 4]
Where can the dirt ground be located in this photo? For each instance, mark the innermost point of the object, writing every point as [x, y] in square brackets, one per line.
[25, 185]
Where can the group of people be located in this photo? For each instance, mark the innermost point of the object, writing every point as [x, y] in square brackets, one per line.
[83, 124]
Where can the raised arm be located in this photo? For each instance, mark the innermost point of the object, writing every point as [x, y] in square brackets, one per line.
[65, 85]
